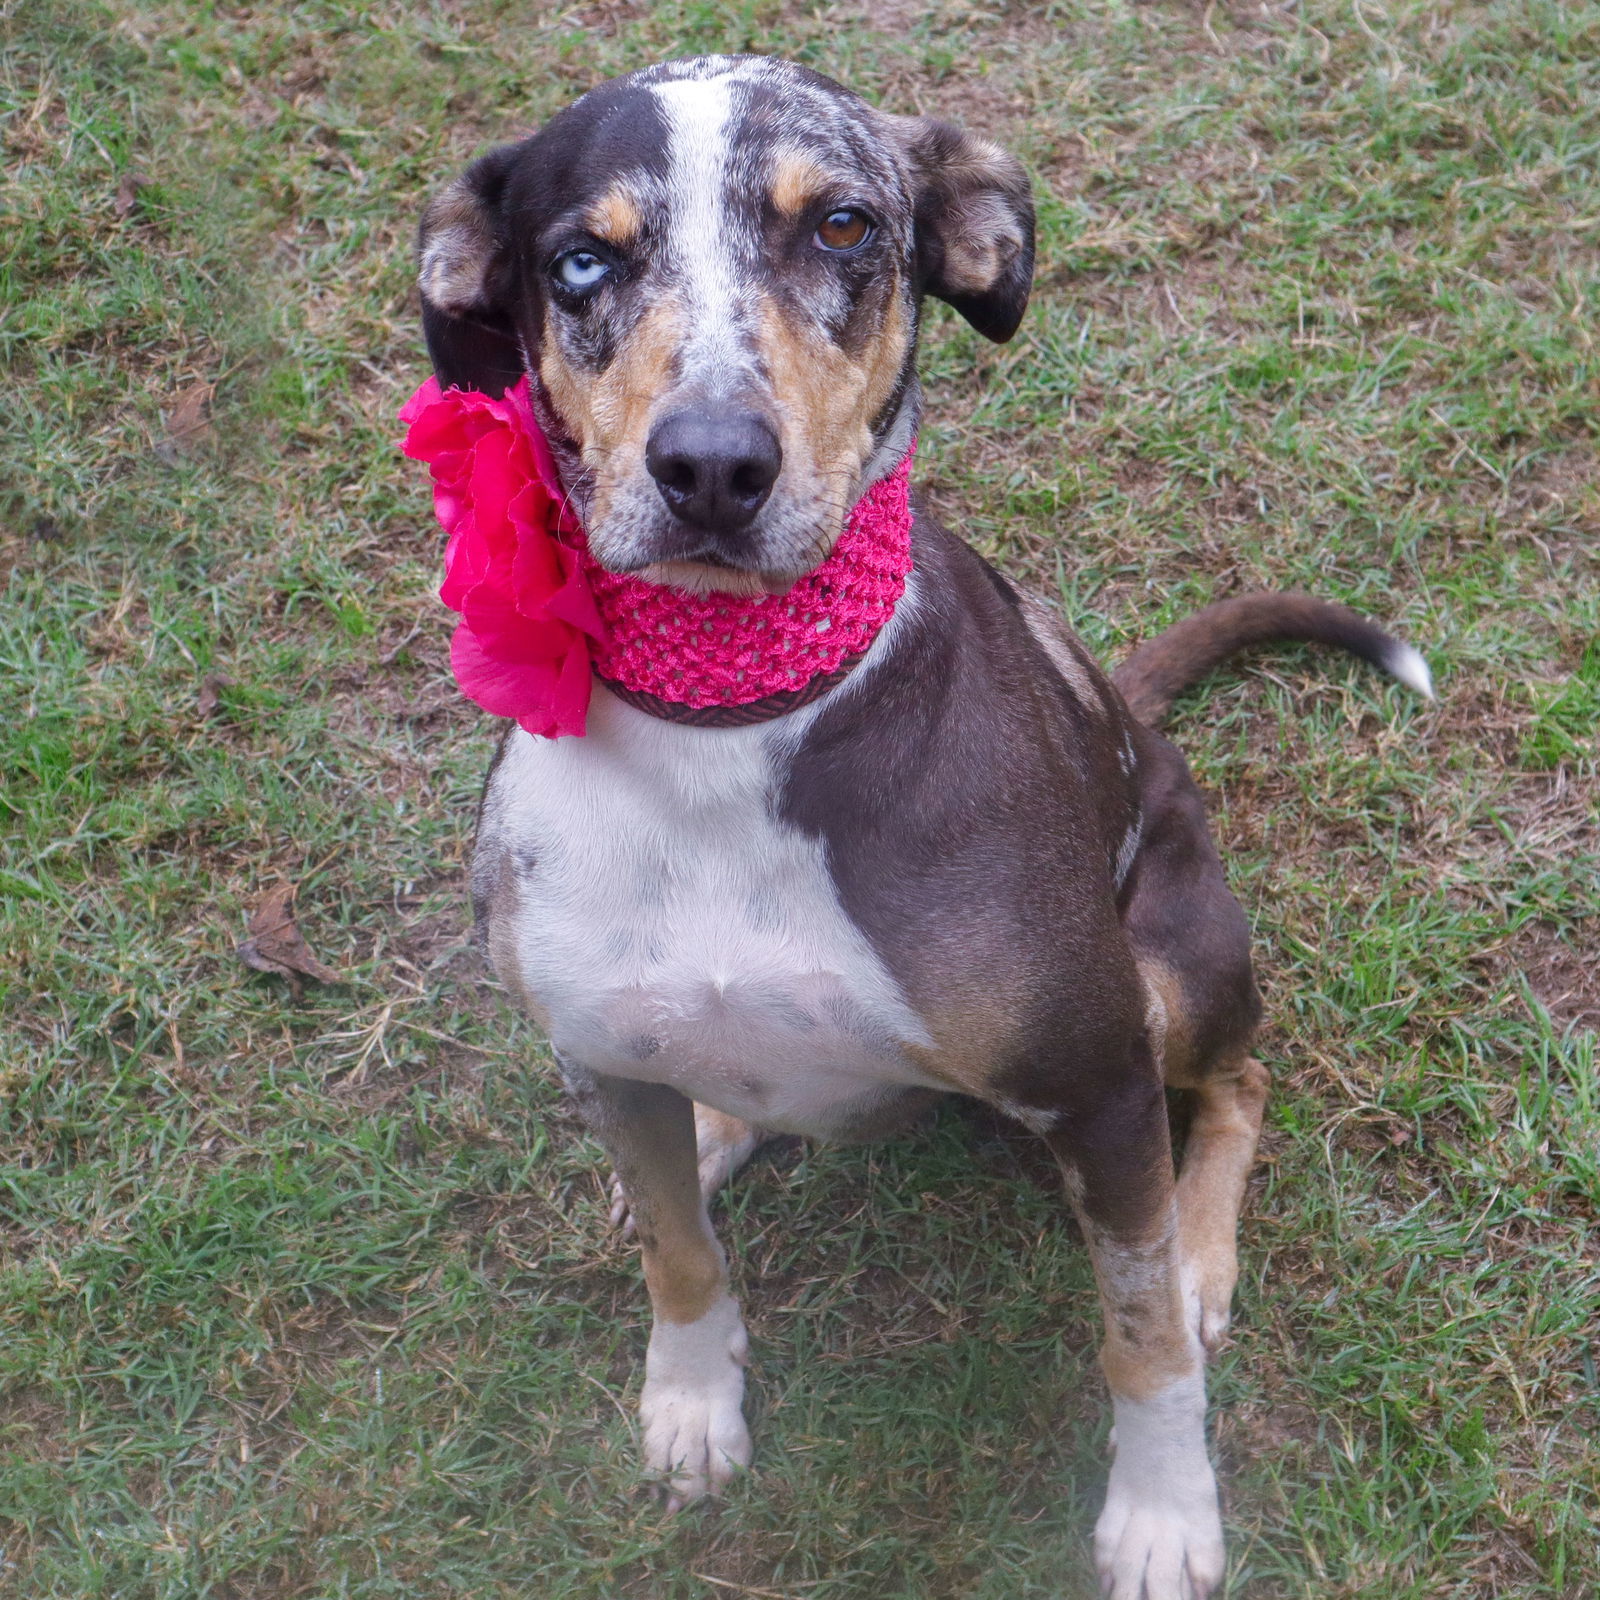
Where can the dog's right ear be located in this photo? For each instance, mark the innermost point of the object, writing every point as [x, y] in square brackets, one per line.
[467, 280]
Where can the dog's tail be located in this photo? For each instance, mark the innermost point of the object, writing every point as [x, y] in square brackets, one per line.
[1160, 669]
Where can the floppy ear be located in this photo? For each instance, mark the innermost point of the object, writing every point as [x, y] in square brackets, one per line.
[974, 222]
[466, 279]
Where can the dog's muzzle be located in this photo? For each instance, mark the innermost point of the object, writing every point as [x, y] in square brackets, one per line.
[714, 467]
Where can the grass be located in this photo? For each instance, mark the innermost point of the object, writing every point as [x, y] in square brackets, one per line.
[316, 1298]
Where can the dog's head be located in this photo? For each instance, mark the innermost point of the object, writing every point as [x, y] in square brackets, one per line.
[712, 269]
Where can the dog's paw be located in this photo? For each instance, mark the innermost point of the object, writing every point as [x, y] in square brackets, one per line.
[1212, 1322]
[695, 1439]
[1160, 1535]
[1208, 1298]
[1145, 1552]
[621, 1211]
[724, 1144]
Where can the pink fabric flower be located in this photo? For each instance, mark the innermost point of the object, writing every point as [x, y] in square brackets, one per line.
[529, 627]
[541, 618]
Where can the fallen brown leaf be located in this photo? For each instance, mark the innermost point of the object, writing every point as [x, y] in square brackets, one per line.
[128, 187]
[274, 943]
[211, 687]
[188, 423]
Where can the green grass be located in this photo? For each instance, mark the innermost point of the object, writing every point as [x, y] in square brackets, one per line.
[317, 1298]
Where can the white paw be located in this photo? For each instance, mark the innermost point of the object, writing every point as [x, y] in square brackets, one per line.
[1160, 1535]
[694, 1433]
[1144, 1552]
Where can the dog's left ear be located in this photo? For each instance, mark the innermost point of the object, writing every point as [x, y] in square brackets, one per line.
[466, 276]
[974, 222]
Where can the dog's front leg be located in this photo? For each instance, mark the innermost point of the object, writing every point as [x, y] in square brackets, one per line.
[694, 1432]
[1160, 1535]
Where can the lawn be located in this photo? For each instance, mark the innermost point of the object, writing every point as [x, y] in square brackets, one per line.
[312, 1294]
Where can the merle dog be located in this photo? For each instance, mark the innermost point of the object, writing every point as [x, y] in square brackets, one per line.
[972, 867]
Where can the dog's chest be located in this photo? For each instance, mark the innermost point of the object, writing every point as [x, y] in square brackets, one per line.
[672, 928]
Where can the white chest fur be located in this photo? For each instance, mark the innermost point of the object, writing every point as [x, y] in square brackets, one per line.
[673, 929]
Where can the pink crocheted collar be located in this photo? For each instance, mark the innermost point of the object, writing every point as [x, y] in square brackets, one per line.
[541, 618]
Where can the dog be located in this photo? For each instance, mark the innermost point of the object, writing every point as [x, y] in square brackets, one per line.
[968, 865]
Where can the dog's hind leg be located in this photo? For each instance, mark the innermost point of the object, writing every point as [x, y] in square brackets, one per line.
[691, 1406]
[723, 1144]
[1192, 944]
[1217, 1157]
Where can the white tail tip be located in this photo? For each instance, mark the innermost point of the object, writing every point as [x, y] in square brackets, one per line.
[1407, 665]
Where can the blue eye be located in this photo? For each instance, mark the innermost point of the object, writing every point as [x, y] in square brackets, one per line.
[580, 270]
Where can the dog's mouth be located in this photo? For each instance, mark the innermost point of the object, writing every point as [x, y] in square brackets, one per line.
[769, 557]
[712, 573]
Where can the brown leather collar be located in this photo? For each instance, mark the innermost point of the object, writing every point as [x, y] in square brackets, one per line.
[745, 716]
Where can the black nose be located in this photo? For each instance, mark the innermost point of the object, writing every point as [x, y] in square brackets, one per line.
[714, 468]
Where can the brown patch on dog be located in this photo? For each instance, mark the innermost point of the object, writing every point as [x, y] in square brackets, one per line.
[615, 217]
[797, 181]
[501, 924]
[1167, 1019]
[1140, 1371]
[609, 412]
[648, 1131]
[827, 398]
[972, 1029]
[683, 1267]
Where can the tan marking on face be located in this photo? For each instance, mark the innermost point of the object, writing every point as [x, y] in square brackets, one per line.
[609, 413]
[797, 181]
[826, 400]
[615, 217]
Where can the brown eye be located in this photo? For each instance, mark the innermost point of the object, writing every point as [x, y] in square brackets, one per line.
[843, 230]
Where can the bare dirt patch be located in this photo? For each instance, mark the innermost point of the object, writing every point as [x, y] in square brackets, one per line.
[1564, 980]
